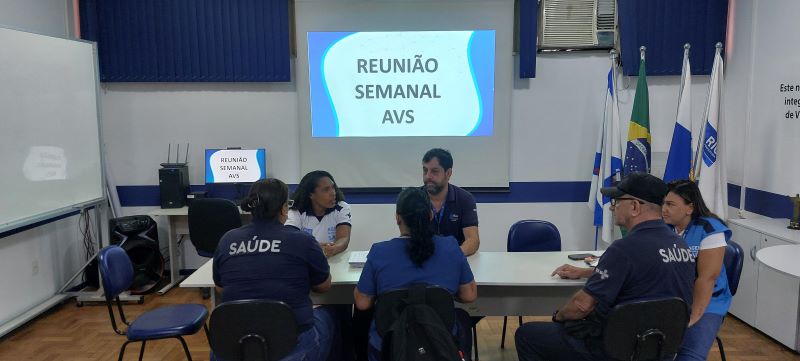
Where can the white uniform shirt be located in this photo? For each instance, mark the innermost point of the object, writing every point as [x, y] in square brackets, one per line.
[324, 229]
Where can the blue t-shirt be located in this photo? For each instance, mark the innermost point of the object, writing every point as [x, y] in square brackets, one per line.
[389, 268]
[458, 212]
[267, 260]
[699, 229]
[650, 262]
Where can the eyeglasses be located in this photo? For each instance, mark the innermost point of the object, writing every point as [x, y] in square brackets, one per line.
[614, 201]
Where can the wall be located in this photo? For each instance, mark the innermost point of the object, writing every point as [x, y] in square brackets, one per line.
[554, 120]
[35, 263]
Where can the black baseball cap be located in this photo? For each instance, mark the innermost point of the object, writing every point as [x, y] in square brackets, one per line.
[646, 187]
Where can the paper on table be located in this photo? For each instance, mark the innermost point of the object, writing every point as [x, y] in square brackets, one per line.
[358, 258]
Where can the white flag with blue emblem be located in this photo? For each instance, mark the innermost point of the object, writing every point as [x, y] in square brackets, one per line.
[679, 160]
[607, 162]
[709, 158]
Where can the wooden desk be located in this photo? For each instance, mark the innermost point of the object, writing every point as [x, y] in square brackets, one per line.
[508, 283]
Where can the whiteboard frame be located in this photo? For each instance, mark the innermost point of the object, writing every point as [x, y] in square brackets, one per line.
[43, 217]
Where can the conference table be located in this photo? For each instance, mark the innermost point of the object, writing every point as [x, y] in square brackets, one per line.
[517, 283]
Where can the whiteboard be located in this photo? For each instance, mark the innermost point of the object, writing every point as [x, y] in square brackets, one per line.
[49, 129]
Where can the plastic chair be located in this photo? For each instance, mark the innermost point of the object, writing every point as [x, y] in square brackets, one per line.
[530, 236]
[253, 330]
[646, 330]
[390, 305]
[209, 220]
[173, 321]
[733, 262]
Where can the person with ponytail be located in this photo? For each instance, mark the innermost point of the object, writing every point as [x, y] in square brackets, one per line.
[416, 256]
[267, 260]
[707, 237]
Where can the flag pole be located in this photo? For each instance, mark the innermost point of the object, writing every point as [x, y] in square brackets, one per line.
[699, 150]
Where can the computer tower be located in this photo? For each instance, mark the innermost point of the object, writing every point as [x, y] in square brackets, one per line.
[173, 182]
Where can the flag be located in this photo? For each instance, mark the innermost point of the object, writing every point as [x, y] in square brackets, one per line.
[607, 161]
[637, 153]
[709, 156]
[679, 160]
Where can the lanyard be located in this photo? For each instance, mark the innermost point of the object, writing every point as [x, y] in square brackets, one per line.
[438, 217]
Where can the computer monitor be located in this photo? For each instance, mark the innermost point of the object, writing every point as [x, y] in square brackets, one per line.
[235, 165]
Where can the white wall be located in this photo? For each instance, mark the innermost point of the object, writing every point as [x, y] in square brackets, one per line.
[554, 122]
[35, 263]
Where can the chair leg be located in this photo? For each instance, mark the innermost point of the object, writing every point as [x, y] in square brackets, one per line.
[208, 337]
[122, 350]
[141, 351]
[721, 349]
[475, 341]
[185, 348]
[503, 337]
[520, 320]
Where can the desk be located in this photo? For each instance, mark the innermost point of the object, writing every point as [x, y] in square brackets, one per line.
[178, 225]
[516, 283]
[782, 259]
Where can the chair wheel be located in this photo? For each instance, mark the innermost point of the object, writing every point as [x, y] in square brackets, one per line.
[78, 304]
[140, 301]
[205, 293]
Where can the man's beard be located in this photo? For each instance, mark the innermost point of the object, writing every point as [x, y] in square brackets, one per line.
[433, 188]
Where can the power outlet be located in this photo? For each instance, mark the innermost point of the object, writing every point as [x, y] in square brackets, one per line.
[35, 268]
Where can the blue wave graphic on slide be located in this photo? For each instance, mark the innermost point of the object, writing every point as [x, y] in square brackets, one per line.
[482, 42]
[323, 112]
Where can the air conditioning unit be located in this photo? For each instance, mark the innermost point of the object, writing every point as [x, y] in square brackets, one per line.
[578, 24]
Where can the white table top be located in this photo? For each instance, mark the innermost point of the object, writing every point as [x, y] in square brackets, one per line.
[183, 211]
[489, 268]
[783, 259]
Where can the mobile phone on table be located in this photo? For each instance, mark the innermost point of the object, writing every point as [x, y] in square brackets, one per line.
[580, 256]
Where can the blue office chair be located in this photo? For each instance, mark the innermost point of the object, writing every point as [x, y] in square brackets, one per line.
[530, 236]
[165, 322]
[733, 262]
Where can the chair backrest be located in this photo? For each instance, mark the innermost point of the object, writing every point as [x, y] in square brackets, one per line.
[533, 236]
[209, 220]
[252, 330]
[390, 305]
[116, 270]
[645, 330]
[734, 259]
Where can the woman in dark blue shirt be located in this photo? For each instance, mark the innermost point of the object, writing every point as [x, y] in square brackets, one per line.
[416, 256]
[267, 260]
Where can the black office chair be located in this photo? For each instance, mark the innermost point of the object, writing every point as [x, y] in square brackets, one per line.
[530, 236]
[252, 330]
[173, 321]
[390, 305]
[646, 330]
[734, 260]
[209, 220]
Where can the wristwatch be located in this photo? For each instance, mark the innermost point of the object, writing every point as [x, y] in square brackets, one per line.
[554, 317]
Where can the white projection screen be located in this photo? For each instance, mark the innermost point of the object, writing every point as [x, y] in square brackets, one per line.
[381, 82]
[50, 149]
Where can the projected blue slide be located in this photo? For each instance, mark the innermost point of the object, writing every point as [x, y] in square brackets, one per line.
[406, 83]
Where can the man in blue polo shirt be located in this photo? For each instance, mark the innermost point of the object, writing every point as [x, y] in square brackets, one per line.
[651, 261]
[454, 210]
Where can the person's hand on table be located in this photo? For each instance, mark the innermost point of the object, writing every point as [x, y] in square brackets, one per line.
[569, 271]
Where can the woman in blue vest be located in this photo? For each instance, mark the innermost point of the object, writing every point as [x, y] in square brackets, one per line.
[707, 237]
[416, 256]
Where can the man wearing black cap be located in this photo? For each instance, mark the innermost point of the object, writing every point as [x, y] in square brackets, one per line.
[651, 261]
